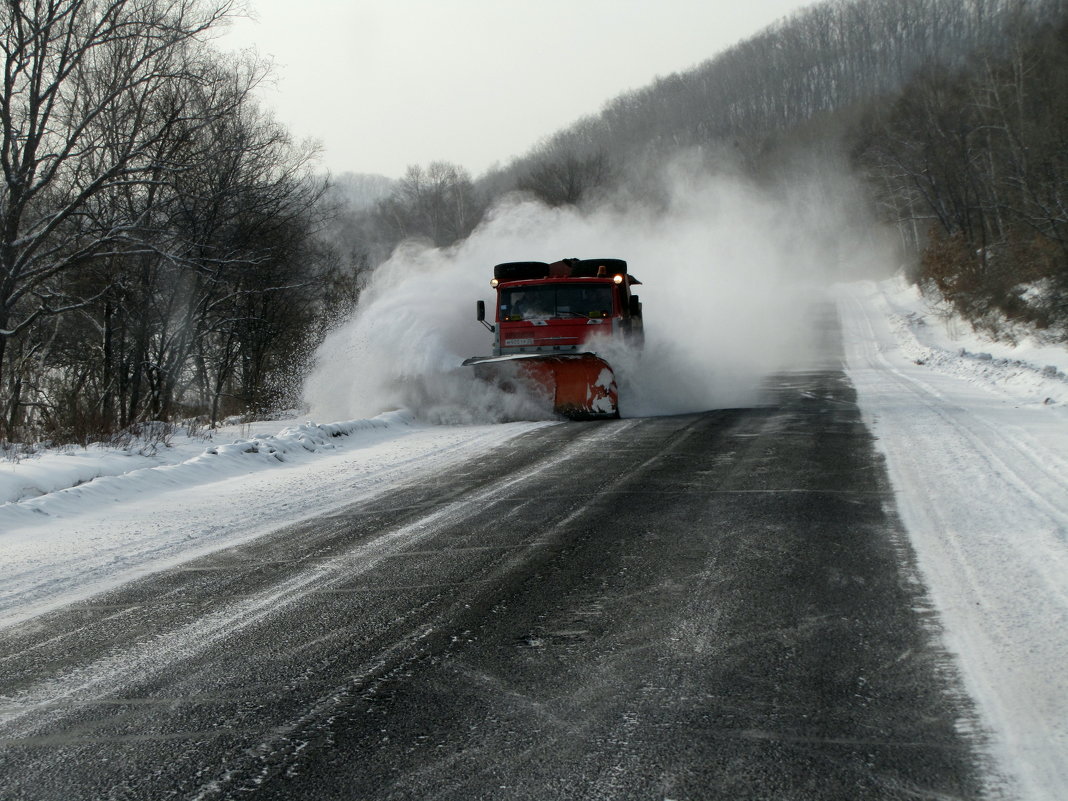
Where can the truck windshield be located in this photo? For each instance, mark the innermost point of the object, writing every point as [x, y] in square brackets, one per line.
[544, 302]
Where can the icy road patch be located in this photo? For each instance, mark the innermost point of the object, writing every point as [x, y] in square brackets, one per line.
[975, 436]
[79, 522]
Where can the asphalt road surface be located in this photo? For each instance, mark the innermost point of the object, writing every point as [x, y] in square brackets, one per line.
[712, 606]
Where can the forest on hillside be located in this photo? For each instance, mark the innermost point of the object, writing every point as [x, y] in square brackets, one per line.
[168, 252]
[952, 111]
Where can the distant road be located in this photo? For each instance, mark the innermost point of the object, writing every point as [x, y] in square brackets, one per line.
[719, 605]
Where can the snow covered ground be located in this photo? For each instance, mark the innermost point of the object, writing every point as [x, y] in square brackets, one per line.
[975, 437]
[76, 522]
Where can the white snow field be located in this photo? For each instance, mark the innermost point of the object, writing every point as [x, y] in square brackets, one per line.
[975, 436]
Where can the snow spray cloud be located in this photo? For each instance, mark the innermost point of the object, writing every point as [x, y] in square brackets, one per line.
[727, 274]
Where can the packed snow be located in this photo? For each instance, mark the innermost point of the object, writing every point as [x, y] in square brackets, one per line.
[975, 436]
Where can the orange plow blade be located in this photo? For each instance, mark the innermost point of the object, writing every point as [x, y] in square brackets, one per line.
[582, 386]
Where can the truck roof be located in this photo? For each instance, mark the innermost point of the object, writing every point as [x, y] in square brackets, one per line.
[631, 280]
[565, 268]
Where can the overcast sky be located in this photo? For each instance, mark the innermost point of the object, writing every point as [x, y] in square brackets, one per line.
[384, 84]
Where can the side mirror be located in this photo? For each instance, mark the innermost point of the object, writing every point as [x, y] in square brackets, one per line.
[480, 314]
[635, 307]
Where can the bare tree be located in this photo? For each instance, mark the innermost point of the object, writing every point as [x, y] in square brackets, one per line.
[973, 163]
[82, 80]
[437, 203]
[561, 176]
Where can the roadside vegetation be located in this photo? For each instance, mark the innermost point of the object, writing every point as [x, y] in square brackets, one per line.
[972, 164]
[167, 251]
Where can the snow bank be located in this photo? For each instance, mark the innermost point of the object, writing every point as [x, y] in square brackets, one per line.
[930, 335]
[66, 481]
[83, 522]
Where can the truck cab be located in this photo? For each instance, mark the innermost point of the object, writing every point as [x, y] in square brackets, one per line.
[563, 307]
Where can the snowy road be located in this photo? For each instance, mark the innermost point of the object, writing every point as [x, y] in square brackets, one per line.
[709, 606]
[981, 475]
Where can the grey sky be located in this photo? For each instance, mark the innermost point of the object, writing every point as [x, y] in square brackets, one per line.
[385, 84]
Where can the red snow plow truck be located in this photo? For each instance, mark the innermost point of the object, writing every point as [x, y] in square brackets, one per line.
[550, 321]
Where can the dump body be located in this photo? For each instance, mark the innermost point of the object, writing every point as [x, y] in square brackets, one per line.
[551, 319]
